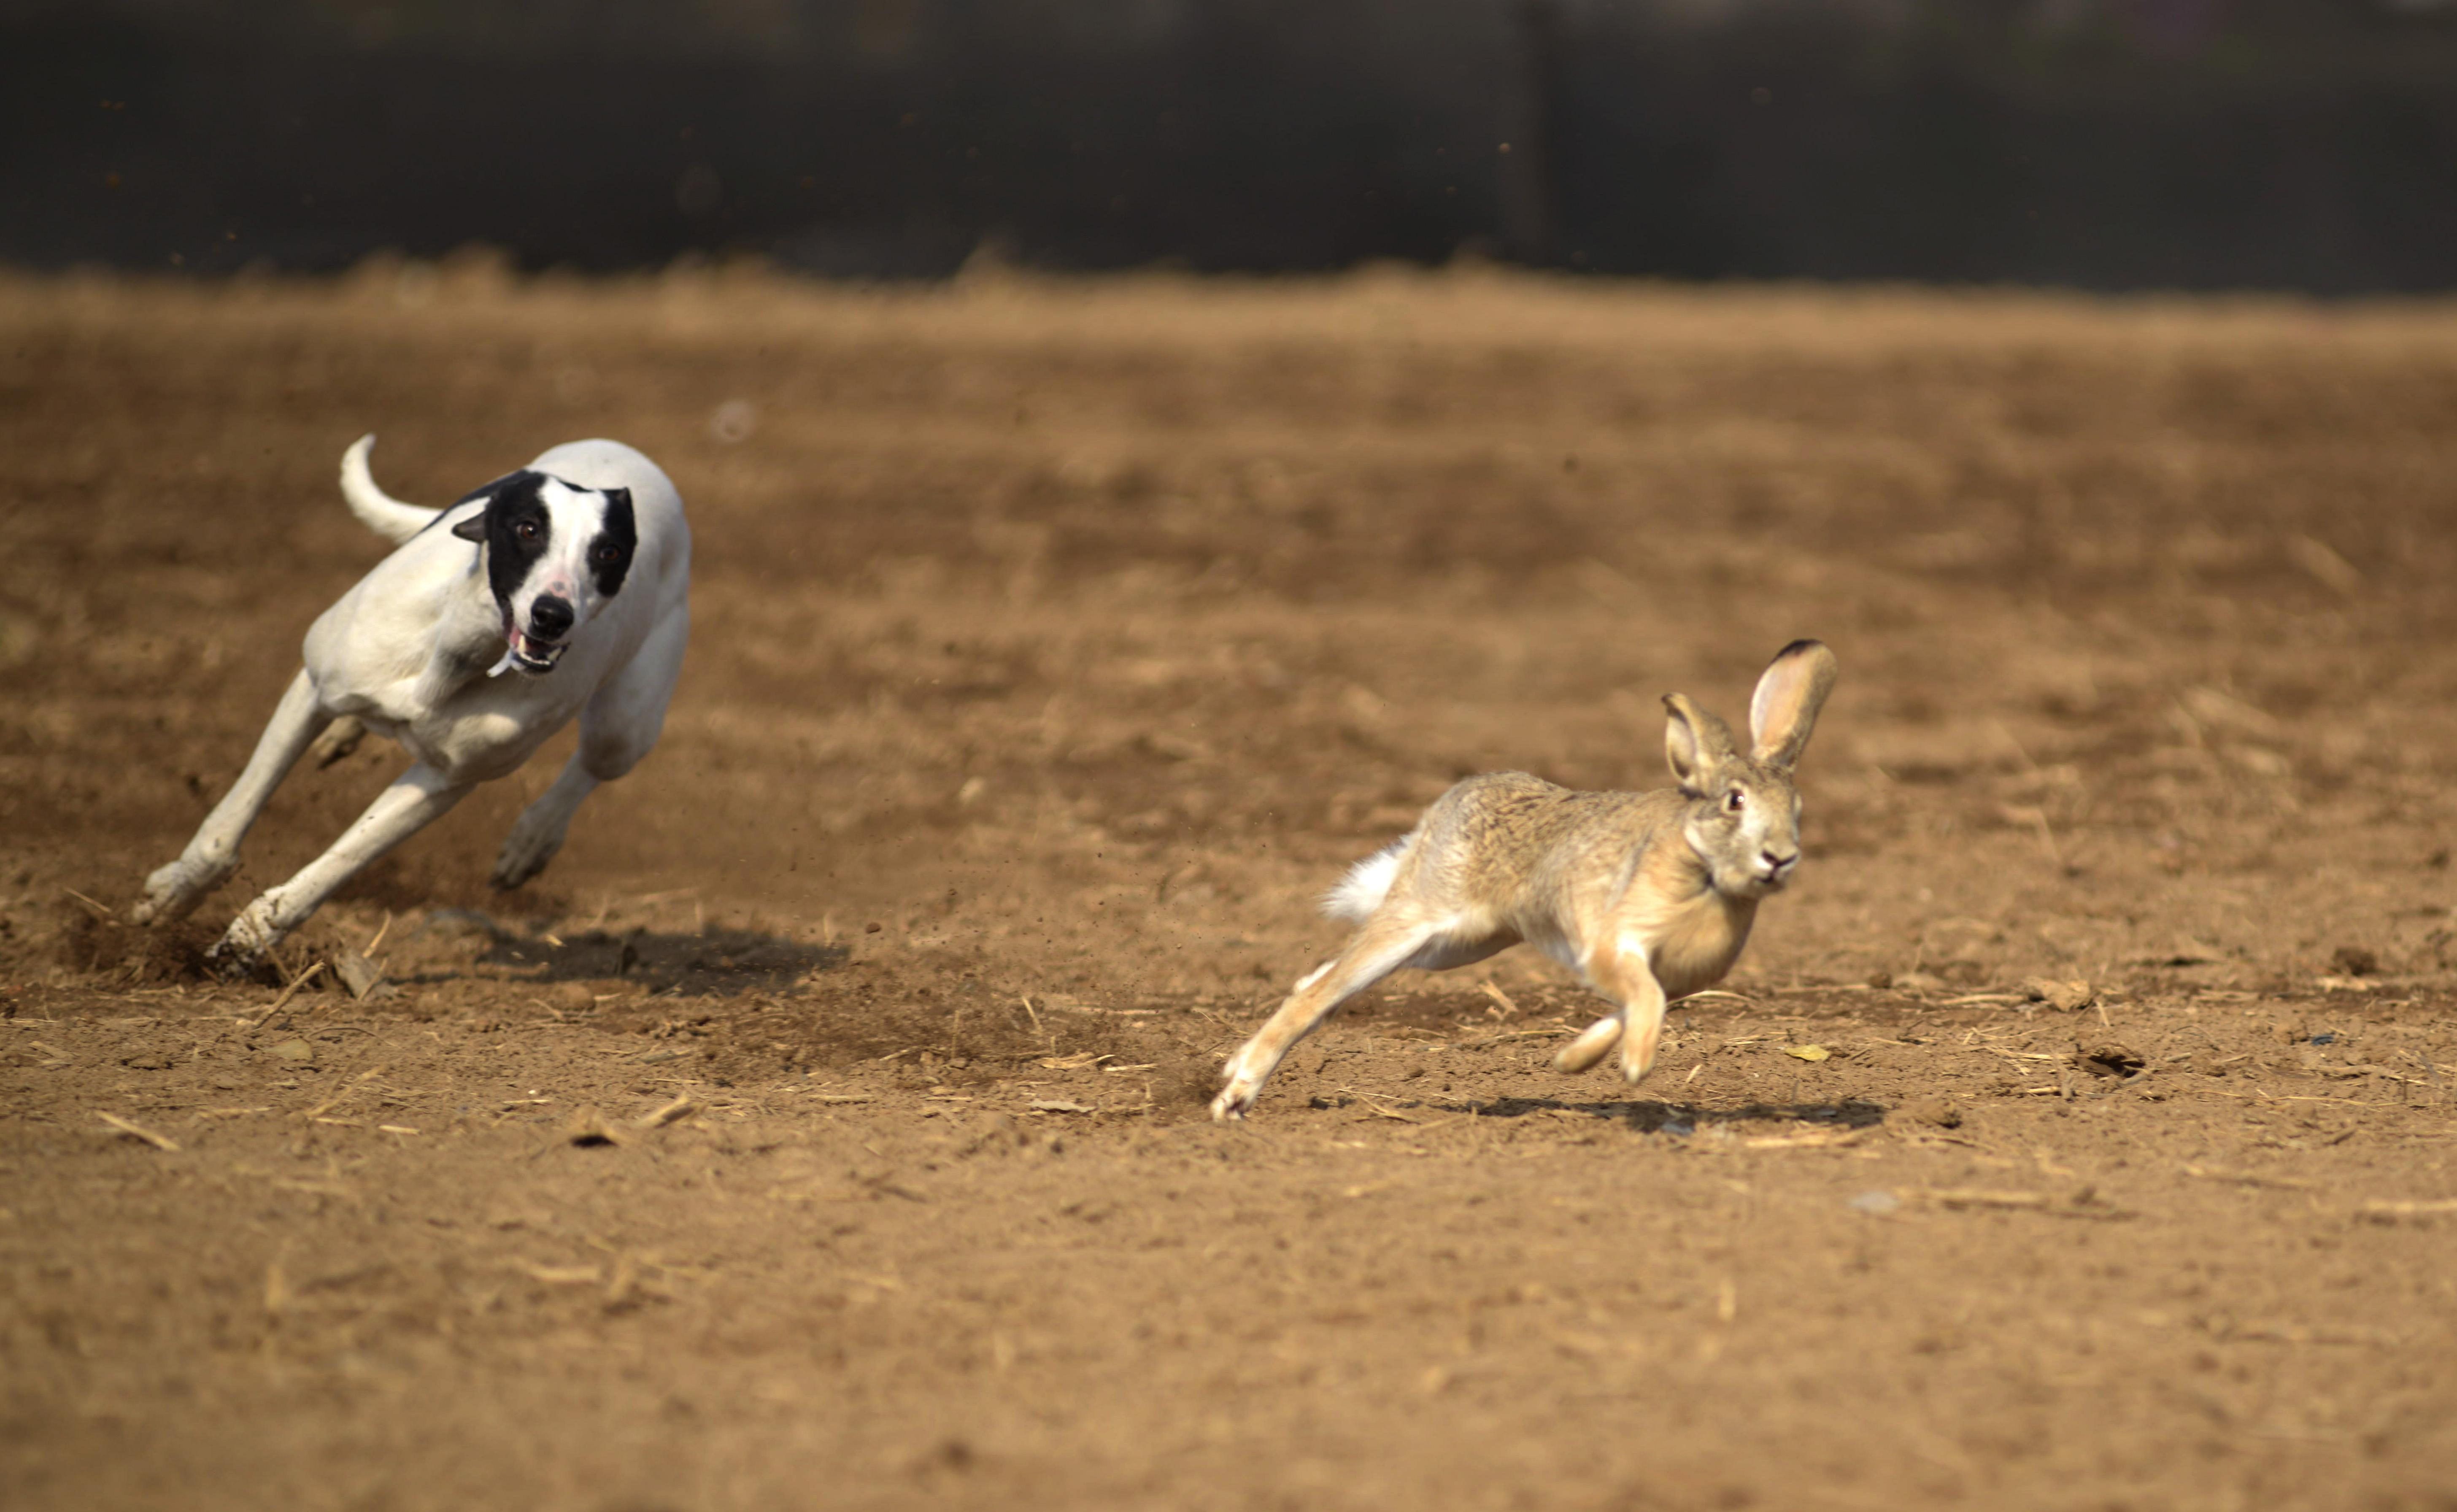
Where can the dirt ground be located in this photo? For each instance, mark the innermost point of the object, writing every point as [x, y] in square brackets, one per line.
[2076, 1133]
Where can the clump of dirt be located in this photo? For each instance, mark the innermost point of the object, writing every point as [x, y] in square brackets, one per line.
[956, 1034]
[1935, 1112]
[406, 883]
[705, 962]
[2355, 960]
[2108, 1058]
[1466, 1010]
[1428, 1012]
[127, 955]
[845, 1024]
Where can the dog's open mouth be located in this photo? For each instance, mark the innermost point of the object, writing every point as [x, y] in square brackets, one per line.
[527, 654]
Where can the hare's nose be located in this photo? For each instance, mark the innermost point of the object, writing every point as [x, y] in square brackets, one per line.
[1777, 865]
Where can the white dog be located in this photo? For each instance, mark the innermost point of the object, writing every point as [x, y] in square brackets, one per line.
[574, 574]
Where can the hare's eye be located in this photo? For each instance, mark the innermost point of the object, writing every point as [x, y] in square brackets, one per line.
[1732, 800]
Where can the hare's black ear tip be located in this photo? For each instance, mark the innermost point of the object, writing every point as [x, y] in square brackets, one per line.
[1800, 647]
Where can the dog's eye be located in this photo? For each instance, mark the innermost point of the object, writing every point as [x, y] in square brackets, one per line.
[527, 530]
[608, 556]
[1732, 800]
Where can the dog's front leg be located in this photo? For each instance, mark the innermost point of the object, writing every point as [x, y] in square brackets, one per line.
[417, 799]
[210, 858]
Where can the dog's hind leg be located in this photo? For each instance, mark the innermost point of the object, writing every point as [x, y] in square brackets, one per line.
[417, 799]
[539, 832]
[620, 724]
[210, 858]
[339, 740]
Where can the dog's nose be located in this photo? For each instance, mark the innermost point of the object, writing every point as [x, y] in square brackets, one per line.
[550, 617]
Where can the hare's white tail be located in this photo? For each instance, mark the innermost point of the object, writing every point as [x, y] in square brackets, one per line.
[379, 511]
[1367, 884]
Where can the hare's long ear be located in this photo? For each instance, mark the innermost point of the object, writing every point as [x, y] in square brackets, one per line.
[1789, 696]
[1695, 742]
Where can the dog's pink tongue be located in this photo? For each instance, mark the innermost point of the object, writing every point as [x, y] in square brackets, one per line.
[510, 661]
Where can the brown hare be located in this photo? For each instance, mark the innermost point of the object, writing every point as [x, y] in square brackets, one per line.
[1648, 896]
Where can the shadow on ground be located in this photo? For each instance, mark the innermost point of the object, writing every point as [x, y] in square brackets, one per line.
[1653, 1117]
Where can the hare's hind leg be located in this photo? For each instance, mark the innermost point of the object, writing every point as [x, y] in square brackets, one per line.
[1592, 1045]
[1379, 948]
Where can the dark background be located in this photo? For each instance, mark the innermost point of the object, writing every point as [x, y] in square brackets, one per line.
[2306, 144]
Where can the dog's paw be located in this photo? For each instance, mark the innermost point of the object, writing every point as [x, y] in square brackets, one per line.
[339, 740]
[232, 967]
[174, 891]
[243, 945]
[525, 852]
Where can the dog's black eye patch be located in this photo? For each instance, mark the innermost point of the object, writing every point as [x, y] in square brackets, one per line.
[516, 527]
[474, 528]
[610, 554]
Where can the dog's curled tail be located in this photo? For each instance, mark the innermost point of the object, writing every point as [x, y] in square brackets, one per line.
[378, 511]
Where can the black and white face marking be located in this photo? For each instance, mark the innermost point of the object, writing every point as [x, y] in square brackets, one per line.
[554, 554]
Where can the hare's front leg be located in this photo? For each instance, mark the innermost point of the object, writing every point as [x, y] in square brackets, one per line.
[1377, 949]
[1624, 976]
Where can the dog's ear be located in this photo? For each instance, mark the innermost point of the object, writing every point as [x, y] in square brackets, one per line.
[474, 528]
